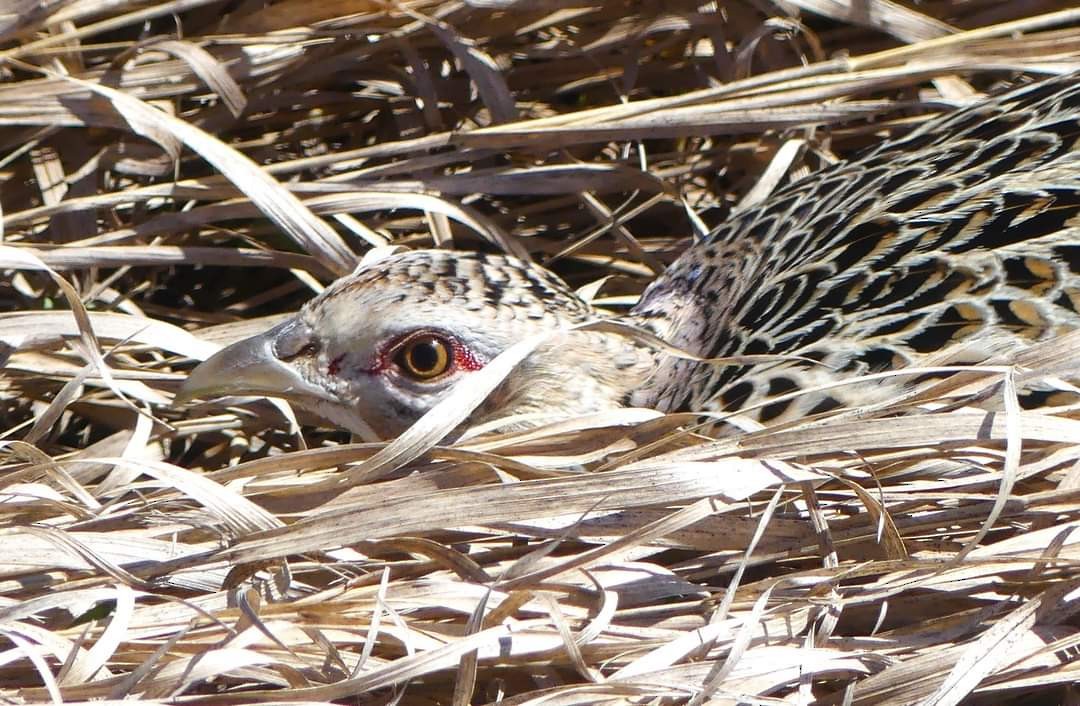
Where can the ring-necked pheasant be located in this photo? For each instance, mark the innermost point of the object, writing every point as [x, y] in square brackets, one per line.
[966, 231]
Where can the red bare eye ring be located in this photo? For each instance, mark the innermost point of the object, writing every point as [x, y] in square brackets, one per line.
[420, 355]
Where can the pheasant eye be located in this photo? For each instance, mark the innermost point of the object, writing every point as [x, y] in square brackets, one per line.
[424, 357]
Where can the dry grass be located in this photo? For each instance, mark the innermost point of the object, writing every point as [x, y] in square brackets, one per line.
[186, 171]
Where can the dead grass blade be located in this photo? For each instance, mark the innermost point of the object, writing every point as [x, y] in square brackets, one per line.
[276, 202]
[178, 175]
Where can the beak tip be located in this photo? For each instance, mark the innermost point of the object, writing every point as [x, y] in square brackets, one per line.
[197, 385]
[182, 397]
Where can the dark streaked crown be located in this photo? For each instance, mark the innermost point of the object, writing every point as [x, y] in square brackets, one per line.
[502, 287]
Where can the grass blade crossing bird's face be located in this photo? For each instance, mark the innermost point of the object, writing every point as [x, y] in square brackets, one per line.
[382, 346]
[956, 243]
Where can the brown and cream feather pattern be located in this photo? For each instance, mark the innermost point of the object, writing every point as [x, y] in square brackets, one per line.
[967, 231]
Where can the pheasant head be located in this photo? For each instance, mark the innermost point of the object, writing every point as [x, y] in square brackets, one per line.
[380, 347]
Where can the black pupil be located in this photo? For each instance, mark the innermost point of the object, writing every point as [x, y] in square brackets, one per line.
[424, 356]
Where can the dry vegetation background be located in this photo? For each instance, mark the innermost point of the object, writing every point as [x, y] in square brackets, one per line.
[174, 175]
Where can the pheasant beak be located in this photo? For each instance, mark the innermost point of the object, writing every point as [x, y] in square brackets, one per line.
[251, 367]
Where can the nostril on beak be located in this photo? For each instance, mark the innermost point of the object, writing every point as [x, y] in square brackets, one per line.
[293, 339]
